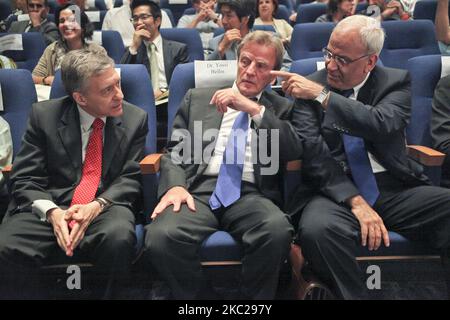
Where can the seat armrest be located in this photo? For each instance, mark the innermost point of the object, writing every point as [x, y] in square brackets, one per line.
[426, 156]
[294, 165]
[150, 164]
[6, 171]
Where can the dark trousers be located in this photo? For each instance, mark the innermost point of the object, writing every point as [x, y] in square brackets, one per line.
[173, 240]
[329, 233]
[26, 244]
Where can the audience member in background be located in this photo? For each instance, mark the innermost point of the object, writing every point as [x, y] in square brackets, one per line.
[19, 7]
[75, 29]
[266, 11]
[38, 11]
[352, 117]
[166, 54]
[119, 19]
[6, 153]
[442, 26]
[76, 182]
[205, 20]
[336, 11]
[440, 125]
[385, 10]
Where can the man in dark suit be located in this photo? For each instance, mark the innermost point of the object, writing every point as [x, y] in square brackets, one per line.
[440, 125]
[159, 55]
[352, 117]
[72, 188]
[38, 11]
[192, 180]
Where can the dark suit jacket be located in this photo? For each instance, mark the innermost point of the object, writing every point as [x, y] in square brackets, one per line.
[49, 163]
[196, 107]
[379, 116]
[440, 125]
[174, 54]
[48, 29]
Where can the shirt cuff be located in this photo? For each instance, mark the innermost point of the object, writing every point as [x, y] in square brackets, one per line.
[257, 118]
[133, 52]
[41, 207]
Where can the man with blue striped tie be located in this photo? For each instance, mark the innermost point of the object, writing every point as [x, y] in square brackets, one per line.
[232, 189]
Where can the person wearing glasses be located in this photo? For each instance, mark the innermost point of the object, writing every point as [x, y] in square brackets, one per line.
[352, 116]
[160, 56]
[38, 11]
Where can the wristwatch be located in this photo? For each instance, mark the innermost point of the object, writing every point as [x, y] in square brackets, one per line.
[322, 95]
[102, 202]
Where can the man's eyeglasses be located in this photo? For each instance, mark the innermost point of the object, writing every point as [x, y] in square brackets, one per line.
[328, 55]
[143, 17]
[35, 5]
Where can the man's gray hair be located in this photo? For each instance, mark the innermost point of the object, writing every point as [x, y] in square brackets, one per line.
[370, 30]
[268, 39]
[78, 66]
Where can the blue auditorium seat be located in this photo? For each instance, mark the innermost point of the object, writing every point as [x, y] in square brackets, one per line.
[33, 48]
[308, 39]
[190, 37]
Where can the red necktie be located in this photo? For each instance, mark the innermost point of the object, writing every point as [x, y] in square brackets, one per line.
[92, 167]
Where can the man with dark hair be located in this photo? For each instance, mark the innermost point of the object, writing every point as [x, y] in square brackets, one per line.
[238, 17]
[160, 56]
[76, 180]
[38, 11]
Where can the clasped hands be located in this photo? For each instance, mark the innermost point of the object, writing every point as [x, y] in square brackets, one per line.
[69, 226]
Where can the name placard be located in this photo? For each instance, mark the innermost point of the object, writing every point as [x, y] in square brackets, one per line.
[11, 42]
[215, 73]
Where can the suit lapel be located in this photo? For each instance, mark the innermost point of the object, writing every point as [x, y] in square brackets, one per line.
[168, 57]
[70, 134]
[114, 134]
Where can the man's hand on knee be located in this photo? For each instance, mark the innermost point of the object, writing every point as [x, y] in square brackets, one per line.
[176, 196]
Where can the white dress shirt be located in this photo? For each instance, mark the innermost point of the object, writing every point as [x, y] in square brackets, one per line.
[222, 140]
[41, 207]
[376, 166]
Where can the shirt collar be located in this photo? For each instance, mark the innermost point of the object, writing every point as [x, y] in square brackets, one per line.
[86, 119]
[359, 86]
[157, 42]
[257, 97]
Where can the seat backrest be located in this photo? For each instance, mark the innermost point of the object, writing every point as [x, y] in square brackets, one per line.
[113, 44]
[189, 11]
[407, 39]
[118, 3]
[170, 15]
[5, 9]
[264, 27]
[309, 12]
[426, 9]
[183, 79]
[33, 48]
[100, 5]
[308, 39]
[425, 73]
[18, 94]
[136, 88]
[305, 67]
[282, 13]
[190, 37]
[176, 8]
[289, 4]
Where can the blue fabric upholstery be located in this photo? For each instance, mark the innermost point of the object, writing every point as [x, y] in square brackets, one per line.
[190, 37]
[18, 94]
[310, 12]
[264, 27]
[282, 13]
[407, 39]
[220, 246]
[33, 48]
[425, 73]
[100, 5]
[308, 39]
[113, 44]
[426, 9]
[5, 9]
[170, 15]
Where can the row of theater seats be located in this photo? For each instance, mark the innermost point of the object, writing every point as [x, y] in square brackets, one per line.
[220, 250]
[404, 40]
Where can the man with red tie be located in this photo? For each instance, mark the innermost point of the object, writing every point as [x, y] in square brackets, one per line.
[76, 180]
